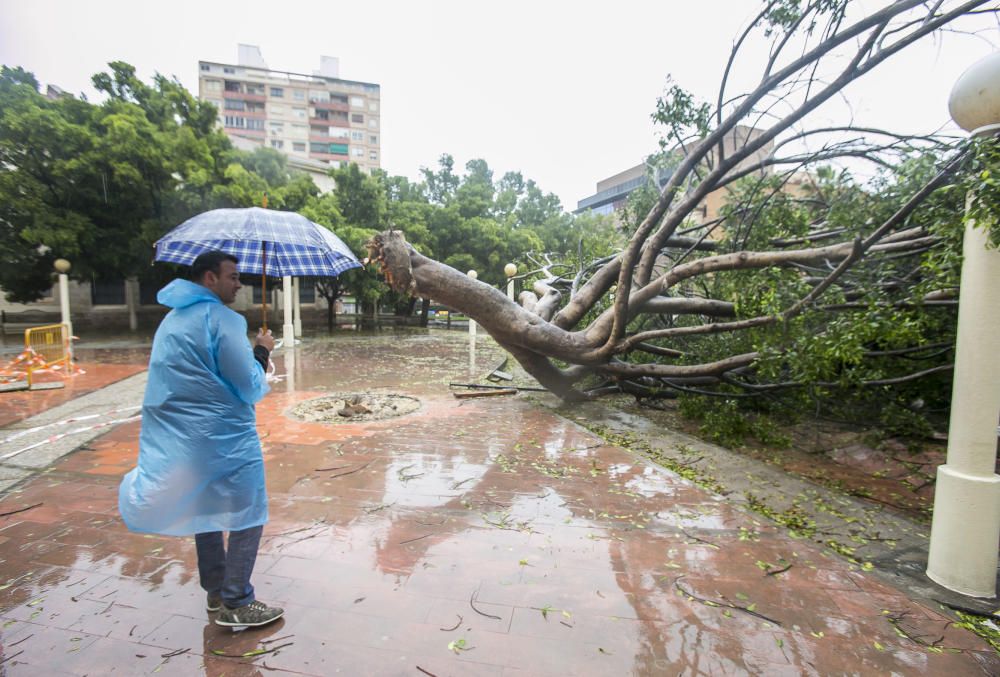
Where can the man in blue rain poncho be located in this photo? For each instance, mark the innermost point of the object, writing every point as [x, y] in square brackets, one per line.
[201, 470]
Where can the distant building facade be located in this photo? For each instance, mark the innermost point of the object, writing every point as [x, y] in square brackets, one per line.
[611, 193]
[312, 119]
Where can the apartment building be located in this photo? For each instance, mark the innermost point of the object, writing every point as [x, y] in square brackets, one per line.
[318, 117]
[611, 193]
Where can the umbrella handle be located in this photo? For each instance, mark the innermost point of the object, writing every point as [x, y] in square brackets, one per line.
[263, 284]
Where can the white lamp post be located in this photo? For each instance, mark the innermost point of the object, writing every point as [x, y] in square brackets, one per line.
[510, 270]
[62, 267]
[966, 529]
[472, 323]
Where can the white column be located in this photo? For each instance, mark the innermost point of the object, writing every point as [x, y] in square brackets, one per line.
[296, 308]
[64, 309]
[966, 528]
[288, 329]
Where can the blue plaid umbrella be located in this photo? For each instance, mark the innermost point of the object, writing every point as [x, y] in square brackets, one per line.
[266, 242]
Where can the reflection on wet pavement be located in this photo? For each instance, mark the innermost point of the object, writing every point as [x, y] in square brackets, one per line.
[476, 537]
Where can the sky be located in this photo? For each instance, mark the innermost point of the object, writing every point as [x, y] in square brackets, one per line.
[561, 91]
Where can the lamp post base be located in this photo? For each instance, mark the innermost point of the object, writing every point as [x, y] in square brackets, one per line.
[965, 532]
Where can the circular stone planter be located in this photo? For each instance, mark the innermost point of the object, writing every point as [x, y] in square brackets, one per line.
[354, 408]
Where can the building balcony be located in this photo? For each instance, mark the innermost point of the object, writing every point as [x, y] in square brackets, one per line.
[328, 105]
[327, 157]
[243, 96]
[248, 133]
[326, 138]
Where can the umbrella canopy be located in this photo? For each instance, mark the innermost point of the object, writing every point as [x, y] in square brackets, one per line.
[265, 241]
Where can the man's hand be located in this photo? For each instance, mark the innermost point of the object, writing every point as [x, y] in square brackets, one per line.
[265, 339]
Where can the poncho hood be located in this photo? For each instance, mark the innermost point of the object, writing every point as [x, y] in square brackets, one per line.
[184, 293]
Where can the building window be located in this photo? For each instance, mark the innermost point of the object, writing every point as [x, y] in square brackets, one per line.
[372, 155]
[299, 113]
[235, 121]
[213, 86]
[299, 94]
[357, 136]
[373, 106]
[277, 92]
[373, 123]
[277, 126]
[299, 130]
[357, 117]
[235, 104]
[255, 124]
[277, 144]
[299, 146]
[338, 132]
[338, 149]
[357, 102]
[373, 139]
[231, 71]
[358, 152]
[253, 88]
[206, 67]
[232, 86]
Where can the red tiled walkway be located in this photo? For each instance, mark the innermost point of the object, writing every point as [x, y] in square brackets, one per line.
[484, 537]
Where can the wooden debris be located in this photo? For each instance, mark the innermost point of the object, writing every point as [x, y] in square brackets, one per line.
[487, 393]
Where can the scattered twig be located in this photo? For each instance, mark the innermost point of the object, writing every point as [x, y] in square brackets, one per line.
[413, 539]
[335, 467]
[452, 628]
[276, 639]
[133, 629]
[14, 512]
[700, 540]
[730, 605]
[250, 654]
[351, 472]
[22, 639]
[687, 464]
[431, 524]
[174, 653]
[7, 658]
[456, 485]
[472, 599]
[425, 672]
[775, 572]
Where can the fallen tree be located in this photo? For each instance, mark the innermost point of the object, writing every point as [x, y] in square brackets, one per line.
[741, 305]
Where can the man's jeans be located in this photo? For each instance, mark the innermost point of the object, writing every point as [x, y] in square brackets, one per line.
[228, 573]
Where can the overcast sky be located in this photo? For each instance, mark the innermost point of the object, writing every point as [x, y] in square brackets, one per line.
[561, 91]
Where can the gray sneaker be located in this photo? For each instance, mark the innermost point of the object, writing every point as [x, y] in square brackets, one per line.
[251, 615]
[213, 602]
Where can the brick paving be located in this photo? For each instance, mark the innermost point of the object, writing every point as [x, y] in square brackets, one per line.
[475, 537]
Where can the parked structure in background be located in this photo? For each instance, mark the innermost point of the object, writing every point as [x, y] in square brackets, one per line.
[319, 117]
[612, 193]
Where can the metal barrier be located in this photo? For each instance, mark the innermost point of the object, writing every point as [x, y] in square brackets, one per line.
[49, 348]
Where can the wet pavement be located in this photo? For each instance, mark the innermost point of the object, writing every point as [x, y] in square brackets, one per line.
[472, 537]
